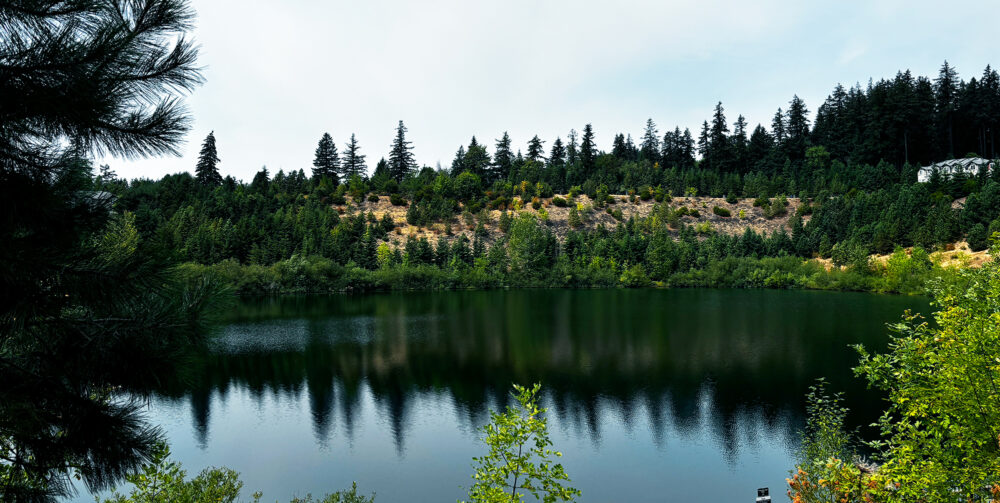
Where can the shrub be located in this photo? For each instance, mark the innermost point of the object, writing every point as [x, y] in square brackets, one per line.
[977, 238]
[536, 204]
[518, 456]
[574, 219]
[559, 202]
[722, 212]
[373, 198]
[397, 200]
[695, 213]
[731, 198]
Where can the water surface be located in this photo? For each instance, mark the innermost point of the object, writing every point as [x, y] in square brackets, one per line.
[654, 395]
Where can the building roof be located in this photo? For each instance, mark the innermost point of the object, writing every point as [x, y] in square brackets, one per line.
[966, 166]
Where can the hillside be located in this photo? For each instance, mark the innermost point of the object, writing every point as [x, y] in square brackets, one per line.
[558, 217]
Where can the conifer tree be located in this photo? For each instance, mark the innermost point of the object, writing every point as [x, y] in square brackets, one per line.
[536, 151]
[207, 171]
[572, 148]
[477, 159]
[503, 160]
[588, 151]
[327, 161]
[797, 129]
[650, 148]
[557, 156]
[458, 163]
[90, 319]
[945, 90]
[354, 160]
[401, 161]
[778, 128]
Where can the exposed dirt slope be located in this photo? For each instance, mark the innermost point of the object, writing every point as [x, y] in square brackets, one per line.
[558, 217]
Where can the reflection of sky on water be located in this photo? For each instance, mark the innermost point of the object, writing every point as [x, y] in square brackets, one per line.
[683, 395]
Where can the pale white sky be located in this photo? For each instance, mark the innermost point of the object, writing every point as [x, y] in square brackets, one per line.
[280, 73]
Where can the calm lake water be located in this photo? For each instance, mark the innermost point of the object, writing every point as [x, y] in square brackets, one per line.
[653, 395]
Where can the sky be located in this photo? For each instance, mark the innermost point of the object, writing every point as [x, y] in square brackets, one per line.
[281, 73]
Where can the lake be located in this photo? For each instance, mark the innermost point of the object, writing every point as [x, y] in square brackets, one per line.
[653, 395]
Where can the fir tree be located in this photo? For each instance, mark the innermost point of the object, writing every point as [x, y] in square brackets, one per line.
[503, 160]
[401, 161]
[650, 148]
[477, 159]
[458, 163]
[588, 151]
[945, 91]
[797, 130]
[572, 148]
[557, 156]
[327, 161]
[207, 171]
[354, 160]
[536, 151]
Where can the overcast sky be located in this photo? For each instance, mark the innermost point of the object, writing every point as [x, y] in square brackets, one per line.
[280, 73]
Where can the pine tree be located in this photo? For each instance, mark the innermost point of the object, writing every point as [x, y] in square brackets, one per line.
[458, 163]
[650, 148]
[946, 91]
[477, 159]
[327, 161]
[739, 145]
[90, 319]
[503, 160]
[536, 151]
[688, 148]
[778, 128]
[354, 160]
[588, 151]
[557, 156]
[572, 148]
[401, 161]
[797, 130]
[207, 171]
[619, 148]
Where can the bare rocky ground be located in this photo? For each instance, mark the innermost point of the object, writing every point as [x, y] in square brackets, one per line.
[558, 217]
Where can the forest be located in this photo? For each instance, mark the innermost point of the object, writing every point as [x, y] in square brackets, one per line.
[853, 172]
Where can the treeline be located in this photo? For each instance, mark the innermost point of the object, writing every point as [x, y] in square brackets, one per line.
[858, 196]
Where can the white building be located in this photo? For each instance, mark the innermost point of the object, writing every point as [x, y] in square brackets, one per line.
[969, 166]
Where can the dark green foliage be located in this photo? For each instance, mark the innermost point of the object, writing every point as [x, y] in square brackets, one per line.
[327, 161]
[401, 161]
[92, 315]
[354, 161]
[722, 212]
[207, 170]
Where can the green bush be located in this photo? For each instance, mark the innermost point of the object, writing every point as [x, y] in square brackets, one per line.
[559, 202]
[397, 200]
[722, 212]
[731, 198]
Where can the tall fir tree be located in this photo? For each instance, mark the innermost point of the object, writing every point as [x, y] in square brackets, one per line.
[536, 151]
[503, 160]
[557, 156]
[401, 160]
[588, 151]
[354, 160]
[477, 159]
[650, 148]
[572, 148]
[797, 130]
[326, 163]
[458, 163]
[946, 88]
[207, 169]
